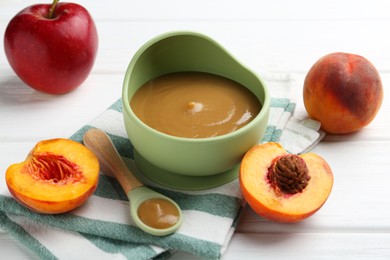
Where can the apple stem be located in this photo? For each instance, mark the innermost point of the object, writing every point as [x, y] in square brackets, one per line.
[52, 8]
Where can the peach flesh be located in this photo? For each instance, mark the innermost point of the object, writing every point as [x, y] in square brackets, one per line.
[273, 204]
[57, 176]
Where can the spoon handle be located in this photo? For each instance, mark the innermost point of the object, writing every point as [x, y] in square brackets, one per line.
[109, 158]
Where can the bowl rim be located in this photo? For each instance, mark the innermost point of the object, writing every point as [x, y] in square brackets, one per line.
[129, 111]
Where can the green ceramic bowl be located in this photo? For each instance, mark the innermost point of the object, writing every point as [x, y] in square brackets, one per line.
[190, 51]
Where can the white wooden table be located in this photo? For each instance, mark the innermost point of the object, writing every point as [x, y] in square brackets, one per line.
[278, 36]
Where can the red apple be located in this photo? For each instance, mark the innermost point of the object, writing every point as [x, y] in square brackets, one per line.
[52, 47]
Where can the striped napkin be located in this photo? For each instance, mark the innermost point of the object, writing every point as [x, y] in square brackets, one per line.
[102, 228]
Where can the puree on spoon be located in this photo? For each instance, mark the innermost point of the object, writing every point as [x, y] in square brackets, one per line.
[194, 104]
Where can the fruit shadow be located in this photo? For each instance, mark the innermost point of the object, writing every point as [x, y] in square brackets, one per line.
[13, 91]
[332, 138]
[272, 233]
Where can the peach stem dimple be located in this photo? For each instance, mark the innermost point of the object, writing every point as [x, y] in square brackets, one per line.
[52, 8]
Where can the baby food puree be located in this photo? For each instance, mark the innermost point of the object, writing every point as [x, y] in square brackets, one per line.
[194, 104]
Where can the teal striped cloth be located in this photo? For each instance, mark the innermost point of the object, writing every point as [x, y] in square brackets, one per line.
[102, 228]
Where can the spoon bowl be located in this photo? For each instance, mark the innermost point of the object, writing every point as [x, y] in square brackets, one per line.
[141, 194]
[99, 142]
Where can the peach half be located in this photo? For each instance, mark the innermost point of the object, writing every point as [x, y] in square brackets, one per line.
[57, 176]
[284, 187]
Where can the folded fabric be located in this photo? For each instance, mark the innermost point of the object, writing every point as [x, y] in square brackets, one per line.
[296, 135]
[102, 228]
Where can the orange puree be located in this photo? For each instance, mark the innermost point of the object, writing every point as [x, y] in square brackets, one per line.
[158, 213]
[194, 104]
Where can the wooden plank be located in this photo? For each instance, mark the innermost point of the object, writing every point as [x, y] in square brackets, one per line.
[222, 9]
[305, 246]
[12, 249]
[310, 245]
[287, 47]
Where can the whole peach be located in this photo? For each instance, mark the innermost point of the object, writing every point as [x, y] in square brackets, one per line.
[343, 91]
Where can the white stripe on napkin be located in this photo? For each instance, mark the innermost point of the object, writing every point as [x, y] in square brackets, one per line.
[277, 117]
[48, 236]
[110, 121]
[213, 229]
[92, 209]
[300, 136]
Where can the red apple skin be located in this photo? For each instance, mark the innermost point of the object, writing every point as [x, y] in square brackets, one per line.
[52, 55]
